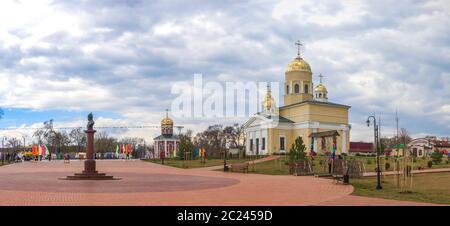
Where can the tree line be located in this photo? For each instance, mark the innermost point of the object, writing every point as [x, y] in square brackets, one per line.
[215, 140]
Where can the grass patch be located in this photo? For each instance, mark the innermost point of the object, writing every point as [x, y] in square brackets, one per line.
[279, 166]
[430, 188]
[196, 163]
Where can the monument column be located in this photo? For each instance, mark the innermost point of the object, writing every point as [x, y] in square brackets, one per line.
[89, 164]
[90, 172]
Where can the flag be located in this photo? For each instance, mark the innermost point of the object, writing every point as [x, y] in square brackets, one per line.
[47, 151]
[117, 151]
[40, 150]
[196, 152]
[44, 151]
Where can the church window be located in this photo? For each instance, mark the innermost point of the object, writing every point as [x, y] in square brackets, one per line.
[306, 88]
[257, 146]
[251, 144]
[287, 89]
[263, 145]
[282, 141]
[296, 88]
[320, 95]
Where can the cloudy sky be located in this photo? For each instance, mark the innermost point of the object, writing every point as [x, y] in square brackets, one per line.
[61, 59]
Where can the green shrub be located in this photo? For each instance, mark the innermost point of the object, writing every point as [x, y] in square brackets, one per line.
[369, 161]
[430, 164]
[414, 159]
[436, 156]
[387, 166]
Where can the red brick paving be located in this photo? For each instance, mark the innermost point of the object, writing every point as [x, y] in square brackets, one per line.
[153, 184]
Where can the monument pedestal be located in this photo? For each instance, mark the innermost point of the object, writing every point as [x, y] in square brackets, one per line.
[90, 172]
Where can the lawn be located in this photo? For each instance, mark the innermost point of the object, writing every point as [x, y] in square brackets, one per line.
[196, 163]
[431, 188]
[279, 166]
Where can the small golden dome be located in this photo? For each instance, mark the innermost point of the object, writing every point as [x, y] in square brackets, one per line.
[298, 64]
[321, 88]
[268, 102]
[167, 121]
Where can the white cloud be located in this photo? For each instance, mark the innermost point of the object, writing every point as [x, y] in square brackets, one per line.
[123, 56]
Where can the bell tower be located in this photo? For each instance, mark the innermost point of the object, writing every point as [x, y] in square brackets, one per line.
[298, 84]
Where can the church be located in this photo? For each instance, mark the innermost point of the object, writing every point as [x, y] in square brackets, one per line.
[307, 113]
[167, 144]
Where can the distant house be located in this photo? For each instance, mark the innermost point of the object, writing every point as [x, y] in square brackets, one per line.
[442, 146]
[420, 147]
[425, 146]
[362, 148]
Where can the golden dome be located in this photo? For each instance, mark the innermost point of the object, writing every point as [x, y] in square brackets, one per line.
[167, 121]
[298, 64]
[268, 102]
[321, 88]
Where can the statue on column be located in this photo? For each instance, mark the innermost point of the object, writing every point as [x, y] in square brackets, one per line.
[90, 125]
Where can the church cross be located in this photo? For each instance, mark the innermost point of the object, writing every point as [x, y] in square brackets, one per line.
[321, 77]
[298, 43]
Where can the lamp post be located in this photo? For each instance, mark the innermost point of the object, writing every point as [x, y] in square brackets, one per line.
[375, 134]
[225, 168]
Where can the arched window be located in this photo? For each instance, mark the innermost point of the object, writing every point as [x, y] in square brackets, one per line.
[297, 88]
[306, 88]
[287, 89]
[320, 95]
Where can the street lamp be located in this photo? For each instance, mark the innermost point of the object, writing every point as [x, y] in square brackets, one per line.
[3, 149]
[225, 168]
[375, 133]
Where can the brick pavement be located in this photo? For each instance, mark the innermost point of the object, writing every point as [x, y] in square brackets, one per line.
[146, 183]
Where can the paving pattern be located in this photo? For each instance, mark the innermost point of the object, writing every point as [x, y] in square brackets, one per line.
[146, 183]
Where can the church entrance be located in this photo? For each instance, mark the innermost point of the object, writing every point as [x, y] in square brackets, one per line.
[326, 151]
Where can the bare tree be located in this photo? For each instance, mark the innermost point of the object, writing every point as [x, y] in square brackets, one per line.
[404, 136]
[212, 140]
[104, 143]
[13, 143]
[78, 138]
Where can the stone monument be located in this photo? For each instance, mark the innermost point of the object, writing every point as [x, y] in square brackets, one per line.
[90, 172]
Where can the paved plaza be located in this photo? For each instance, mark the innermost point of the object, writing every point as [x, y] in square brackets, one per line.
[144, 183]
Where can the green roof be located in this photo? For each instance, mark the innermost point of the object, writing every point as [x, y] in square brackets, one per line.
[398, 146]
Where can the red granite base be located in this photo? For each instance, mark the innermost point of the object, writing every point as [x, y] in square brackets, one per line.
[90, 176]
